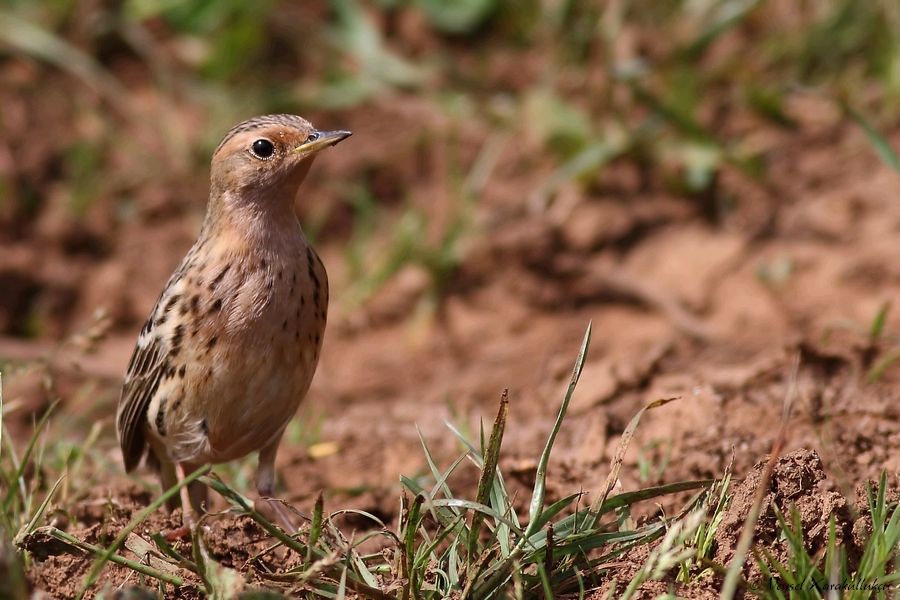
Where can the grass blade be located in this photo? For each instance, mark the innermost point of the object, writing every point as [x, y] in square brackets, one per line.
[43, 507]
[618, 459]
[877, 328]
[315, 528]
[409, 544]
[17, 481]
[882, 147]
[557, 507]
[488, 472]
[540, 478]
[499, 572]
[480, 508]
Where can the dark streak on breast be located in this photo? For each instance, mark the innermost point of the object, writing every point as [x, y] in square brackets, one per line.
[311, 271]
[172, 301]
[177, 336]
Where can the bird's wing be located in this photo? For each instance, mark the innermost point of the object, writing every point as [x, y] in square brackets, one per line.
[146, 369]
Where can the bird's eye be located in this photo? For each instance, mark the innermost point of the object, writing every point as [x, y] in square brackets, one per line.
[312, 137]
[262, 148]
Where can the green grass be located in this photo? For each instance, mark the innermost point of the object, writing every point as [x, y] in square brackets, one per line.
[814, 576]
[442, 544]
[446, 543]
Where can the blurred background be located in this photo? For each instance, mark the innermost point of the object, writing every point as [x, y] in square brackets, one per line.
[709, 181]
[469, 115]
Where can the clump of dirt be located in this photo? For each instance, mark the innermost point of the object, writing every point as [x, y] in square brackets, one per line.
[798, 484]
[60, 568]
[241, 544]
[231, 541]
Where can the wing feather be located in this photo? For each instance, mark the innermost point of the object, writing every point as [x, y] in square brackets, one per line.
[145, 370]
[148, 366]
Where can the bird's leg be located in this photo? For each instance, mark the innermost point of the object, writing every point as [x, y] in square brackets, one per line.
[271, 508]
[165, 469]
[195, 495]
[194, 500]
[168, 477]
[265, 471]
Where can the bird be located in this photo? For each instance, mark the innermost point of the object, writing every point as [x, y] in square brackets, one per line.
[230, 348]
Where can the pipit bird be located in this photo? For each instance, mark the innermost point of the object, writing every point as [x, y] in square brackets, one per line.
[230, 349]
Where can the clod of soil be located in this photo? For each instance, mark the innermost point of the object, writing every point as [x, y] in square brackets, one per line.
[799, 484]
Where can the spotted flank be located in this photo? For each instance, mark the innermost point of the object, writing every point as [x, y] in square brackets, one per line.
[210, 313]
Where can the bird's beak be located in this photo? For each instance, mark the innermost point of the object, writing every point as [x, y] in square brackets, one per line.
[325, 139]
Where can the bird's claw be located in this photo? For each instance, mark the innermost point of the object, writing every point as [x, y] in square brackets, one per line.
[275, 510]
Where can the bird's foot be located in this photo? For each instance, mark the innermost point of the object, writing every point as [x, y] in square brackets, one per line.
[276, 511]
[179, 533]
[189, 520]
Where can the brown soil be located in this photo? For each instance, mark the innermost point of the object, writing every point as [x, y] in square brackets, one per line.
[711, 310]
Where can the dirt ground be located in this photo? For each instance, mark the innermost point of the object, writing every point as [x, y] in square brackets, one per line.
[708, 303]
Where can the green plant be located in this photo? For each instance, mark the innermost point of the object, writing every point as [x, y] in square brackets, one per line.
[818, 575]
[716, 502]
[442, 544]
[650, 469]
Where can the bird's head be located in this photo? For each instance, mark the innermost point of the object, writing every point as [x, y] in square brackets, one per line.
[268, 155]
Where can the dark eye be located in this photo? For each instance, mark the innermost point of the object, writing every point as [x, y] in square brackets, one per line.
[312, 137]
[262, 148]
